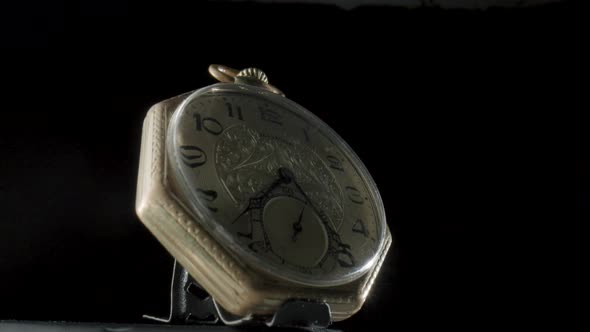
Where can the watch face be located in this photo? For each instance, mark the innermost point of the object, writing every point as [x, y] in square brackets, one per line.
[275, 185]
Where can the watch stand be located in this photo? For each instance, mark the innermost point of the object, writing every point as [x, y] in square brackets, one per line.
[192, 305]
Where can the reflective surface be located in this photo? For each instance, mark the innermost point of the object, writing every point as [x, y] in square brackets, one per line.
[276, 185]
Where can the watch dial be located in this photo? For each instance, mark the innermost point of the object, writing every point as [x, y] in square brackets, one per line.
[276, 185]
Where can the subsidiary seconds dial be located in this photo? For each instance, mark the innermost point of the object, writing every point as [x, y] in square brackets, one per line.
[275, 185]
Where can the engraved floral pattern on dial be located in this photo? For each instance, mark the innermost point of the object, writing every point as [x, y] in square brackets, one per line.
[246, 160]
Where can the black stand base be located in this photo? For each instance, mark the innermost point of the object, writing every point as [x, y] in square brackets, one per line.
[191, 304]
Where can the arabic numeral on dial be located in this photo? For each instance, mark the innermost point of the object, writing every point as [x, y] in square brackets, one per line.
[193, 156]
[335, 163]
[208, 196]
[354, 195]
[359, 227]
[306, 134]
[231, 113]
[210, 125]
[344, 258]
[268, 115]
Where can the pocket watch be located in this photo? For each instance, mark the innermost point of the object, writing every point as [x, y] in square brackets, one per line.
[258, 199]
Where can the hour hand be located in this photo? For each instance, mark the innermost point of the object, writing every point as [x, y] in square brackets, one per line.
[285, 176]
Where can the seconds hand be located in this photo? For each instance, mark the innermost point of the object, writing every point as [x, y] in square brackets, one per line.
[297, 225]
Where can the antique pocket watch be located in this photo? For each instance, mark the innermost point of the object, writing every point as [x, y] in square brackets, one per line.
[258, 199]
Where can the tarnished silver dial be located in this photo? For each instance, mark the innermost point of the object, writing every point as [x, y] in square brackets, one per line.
[275, 185]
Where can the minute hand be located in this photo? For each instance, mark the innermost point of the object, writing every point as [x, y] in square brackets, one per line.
[340, 248]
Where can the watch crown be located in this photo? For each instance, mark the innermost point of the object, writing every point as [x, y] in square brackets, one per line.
[248, 76]
[253, 73]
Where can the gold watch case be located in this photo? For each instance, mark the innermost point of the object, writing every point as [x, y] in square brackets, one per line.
[236, 287]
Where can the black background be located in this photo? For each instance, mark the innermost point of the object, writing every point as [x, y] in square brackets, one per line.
[449, 110]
